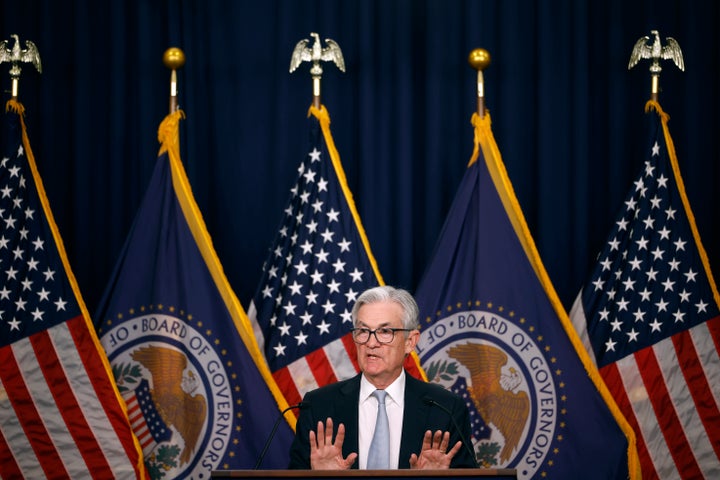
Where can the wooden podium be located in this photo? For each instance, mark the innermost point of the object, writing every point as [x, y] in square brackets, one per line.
[468, 473]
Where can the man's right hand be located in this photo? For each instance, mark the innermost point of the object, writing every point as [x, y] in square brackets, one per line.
[326, 455]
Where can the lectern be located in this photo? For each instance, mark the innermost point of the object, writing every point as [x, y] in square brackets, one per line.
[465, 473]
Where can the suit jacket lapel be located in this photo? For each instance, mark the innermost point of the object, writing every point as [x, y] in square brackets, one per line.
[414, 416]
[347, 403]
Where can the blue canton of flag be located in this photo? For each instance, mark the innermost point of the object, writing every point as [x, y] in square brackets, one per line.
[319, 263]
[35, 294]
[649, 282]
[649, 316]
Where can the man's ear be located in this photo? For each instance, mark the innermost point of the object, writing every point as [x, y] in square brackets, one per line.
[411, 341]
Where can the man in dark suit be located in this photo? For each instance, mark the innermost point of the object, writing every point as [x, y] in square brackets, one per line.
[422, 419]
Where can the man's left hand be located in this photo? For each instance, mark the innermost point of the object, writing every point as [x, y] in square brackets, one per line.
[434, 454]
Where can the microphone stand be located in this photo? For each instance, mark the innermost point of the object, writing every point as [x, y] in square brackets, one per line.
[272, 433]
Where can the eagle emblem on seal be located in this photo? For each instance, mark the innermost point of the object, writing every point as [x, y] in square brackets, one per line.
[173, 394]
[492, 392]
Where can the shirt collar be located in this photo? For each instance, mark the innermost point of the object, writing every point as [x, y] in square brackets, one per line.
[395, 391]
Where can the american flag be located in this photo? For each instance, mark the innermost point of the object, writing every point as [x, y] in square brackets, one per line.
[60, 415]
[318, 265]
[649, 315]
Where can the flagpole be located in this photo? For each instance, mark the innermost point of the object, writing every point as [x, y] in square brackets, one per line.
[173, 58]
[479, 59]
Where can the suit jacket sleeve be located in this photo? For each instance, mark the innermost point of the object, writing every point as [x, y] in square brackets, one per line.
[338, 401]
[448, 414]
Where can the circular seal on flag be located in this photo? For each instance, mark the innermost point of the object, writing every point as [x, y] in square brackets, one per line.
[177, 391]
[502, 373]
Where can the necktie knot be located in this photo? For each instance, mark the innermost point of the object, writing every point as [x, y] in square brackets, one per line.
[380, 395]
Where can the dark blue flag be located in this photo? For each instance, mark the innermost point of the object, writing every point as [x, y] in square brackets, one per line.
[494, 331]
[178, 339]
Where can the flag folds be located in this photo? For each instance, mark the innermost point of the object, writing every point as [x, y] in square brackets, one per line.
[60, 413]
[649, 317]
[319, 263]
[200, 397]
[495, 332]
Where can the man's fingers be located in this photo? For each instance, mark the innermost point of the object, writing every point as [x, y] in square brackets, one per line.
[329, 431]
[350, 459]
[436, 439]
[445, 442]
[427, 440]
[455, 449]
[340, 437]
[320, 433]
[313, 441]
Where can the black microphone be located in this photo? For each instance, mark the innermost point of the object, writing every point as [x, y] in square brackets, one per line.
[466, 444]
[300, 405]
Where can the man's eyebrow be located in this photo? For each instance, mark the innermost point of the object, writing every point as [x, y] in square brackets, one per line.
[364, 325]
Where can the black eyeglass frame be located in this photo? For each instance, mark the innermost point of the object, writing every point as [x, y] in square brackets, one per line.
[361, 330]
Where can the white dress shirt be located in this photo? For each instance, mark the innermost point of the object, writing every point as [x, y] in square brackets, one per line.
[367, 415]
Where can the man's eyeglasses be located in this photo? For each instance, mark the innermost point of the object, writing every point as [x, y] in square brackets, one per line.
[382, 335]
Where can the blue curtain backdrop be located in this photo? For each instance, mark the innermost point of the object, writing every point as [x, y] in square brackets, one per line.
[568, 117]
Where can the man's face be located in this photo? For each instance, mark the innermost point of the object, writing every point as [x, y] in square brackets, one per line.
[382, 362]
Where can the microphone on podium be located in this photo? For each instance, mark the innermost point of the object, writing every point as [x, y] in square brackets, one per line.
[466, 444]
[300, 405]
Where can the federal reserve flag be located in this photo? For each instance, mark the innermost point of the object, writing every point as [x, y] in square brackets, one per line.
[60, 413]
[494, 331]
[649, 317]
[318, 265]
[200, 397]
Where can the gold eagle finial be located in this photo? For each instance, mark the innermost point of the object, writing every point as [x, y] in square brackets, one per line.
[17, 55]
[656, 52]
[14, 55]
[316, 54]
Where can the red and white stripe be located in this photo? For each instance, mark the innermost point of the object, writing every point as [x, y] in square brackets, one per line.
[670, 394]
[59, 414]
[334, 362]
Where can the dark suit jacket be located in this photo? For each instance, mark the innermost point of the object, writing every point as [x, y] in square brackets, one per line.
[339, 401]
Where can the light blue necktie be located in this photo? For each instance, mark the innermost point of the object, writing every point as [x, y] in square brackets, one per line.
[379, 453]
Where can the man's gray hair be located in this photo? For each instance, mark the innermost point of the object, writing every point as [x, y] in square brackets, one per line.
[386, 293]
